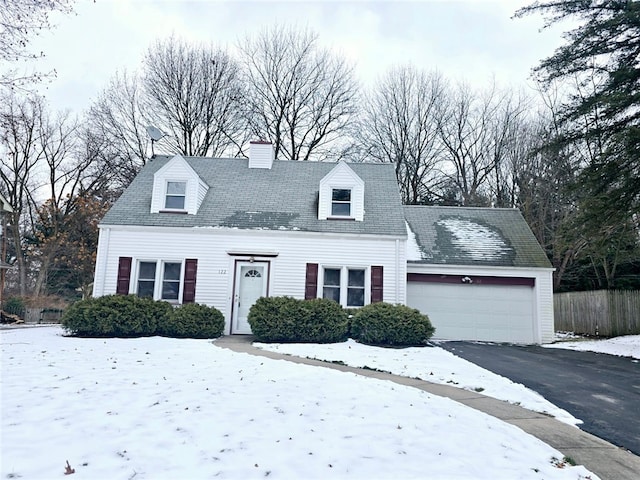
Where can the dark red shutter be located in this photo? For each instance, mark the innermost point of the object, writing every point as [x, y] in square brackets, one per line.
[377, 281]
[189, 287]
[124, 275]
[311, 281]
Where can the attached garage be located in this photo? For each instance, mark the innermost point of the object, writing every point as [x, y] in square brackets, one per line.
[479, 274]
[465, 308]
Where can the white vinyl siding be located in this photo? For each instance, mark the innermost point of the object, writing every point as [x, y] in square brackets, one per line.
[216, 267]
[544, 301]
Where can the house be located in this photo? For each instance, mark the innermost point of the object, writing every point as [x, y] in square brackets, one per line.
[480, 274]
[224, 232]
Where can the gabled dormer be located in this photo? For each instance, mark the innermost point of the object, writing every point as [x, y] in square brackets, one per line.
[177, 188]
[341, 195]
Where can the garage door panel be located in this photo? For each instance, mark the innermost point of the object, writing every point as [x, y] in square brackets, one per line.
[497, 313]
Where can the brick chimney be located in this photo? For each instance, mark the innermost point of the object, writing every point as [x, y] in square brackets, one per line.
[260, 154]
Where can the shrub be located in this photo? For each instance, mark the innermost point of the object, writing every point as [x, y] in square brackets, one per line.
[386, 324]
[15, 306]
[272, 319]
[324, 321]
[286, 319]
[115, 316]
[193, 320]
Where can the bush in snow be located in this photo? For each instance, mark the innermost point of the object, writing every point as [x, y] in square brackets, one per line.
[115, 316]
[286, 319]
[193, 320]
[386, 324]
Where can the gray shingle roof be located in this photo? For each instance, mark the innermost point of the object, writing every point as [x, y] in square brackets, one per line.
[474, 236]
[282, 198]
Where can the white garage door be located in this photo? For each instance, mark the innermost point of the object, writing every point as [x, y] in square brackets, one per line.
[492, 313]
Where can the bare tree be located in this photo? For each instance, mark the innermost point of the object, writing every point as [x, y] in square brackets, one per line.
[475, 129]
[544, 179]
[116, 133]
[300, 96]
[20, 22]
[67, 176]
[44, 174]
[194, 94]
[400, 125]
[509, 143]
[21, 152]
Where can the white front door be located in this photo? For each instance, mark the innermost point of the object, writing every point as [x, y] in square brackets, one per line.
[251, 284]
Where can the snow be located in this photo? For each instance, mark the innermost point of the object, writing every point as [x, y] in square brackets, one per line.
[413, 250]
[627, 346]
[433, 364]
[478, 241]
[159, 408]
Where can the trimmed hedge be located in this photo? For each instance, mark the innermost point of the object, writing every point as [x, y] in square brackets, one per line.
[193, 320]
[386, 324]
[286, 319]
[132, 316]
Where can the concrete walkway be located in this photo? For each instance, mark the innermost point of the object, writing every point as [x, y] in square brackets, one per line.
[602, 458]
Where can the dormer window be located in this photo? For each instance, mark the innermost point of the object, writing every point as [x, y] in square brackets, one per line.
[177, 188]
[175, 197]
[341, 202]
[341, 195]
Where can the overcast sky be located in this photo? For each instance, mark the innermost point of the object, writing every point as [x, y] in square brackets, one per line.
[474, 40]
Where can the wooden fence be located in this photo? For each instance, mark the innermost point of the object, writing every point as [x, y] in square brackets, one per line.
[606, 313]
[43, 315]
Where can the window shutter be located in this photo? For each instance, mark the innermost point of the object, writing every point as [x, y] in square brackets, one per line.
[124, 275]
[376, 283]
[189, 287]
[311, 281]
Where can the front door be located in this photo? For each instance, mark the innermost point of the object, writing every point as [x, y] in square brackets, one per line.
[250, 284]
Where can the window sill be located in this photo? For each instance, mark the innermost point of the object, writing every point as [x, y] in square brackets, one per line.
[181, 212]
[341, 218]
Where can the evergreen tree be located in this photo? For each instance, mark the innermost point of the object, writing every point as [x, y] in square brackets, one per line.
[601, 54]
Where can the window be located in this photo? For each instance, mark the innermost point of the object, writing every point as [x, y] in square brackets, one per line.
[171, 281]
[345, 285]
[160, 283]
[340, 202]
[355, 288]
[176, 192]
[146, 279]
[331, 287]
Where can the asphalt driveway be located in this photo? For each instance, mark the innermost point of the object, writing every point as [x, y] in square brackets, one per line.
[601, 390]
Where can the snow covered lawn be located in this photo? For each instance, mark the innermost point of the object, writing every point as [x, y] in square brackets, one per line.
[155, 408]
[428, 363]
[627, 346]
